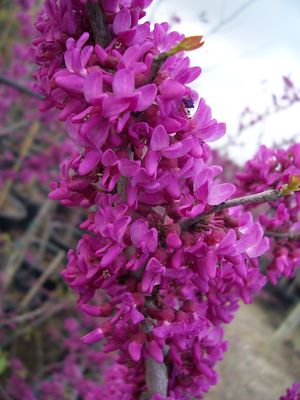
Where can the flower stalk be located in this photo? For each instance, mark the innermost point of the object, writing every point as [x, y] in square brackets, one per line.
[99, 26]
[265, 196]
[21, 88]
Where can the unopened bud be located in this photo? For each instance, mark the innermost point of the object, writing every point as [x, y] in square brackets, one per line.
[187, 44]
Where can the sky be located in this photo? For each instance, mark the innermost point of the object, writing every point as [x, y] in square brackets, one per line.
[249, 46]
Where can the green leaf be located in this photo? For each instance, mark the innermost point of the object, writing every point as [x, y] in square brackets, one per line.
[292, 186]
[3, 362]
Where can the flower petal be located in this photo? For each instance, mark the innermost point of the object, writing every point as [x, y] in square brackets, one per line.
[171, 89]
[159, 139]
[92, 88]
[123, 83]
[146, 96]
[89, 162]
[220, 192]
[122, 21]
[129, 167]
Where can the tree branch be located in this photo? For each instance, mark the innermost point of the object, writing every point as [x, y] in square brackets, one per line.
[17, 256]
[267, 195]
[283, 235]
[156, 378]
[56, 262]
[156, 374]
[18, 86]
[231, 17]
[99, 26]
[30, 315]
[54, 309]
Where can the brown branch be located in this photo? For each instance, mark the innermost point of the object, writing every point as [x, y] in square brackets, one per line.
[18, 319]
[156, 379]
[25, 147]
[17, 256]
[56, 308]
[283, 235]
[98, 22]
[122, 185]
[266, 196]
[14, 127]
[18, 86]
[42, 279]
[156, 374]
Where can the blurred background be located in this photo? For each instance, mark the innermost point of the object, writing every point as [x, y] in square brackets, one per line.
[250, 59]
[251, 79]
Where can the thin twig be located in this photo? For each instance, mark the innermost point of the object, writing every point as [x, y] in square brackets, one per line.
[38, 339]
[42, 279]
[291, 322]
[122, 185]
[283, 235]
[267, 195]
[98, 22]
[18, 319]
[55, 309]
[45, 236]
[18, 86]
[231, 17]
[25, 147]
[14, 127]
[17, 256]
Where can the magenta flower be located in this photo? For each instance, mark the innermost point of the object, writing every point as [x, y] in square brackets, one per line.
[153, 275]
[292, 393]
[142, 237]
[281, 217]
[142, 167]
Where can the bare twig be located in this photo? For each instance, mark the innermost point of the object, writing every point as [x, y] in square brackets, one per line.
[18, 86]
[267, 195]
[18, 319]
[14, 127]
[42, 279]
[17, 256]
[288, 326]
[53, 310]
[45, 236]
[25, 147]
[231, 17]
[154, 9]
[283, 235]
[122, 184]
[98, 22]
[39, 350]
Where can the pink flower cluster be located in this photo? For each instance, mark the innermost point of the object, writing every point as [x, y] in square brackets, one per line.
[143, 169]
[280, 219]
[293, 393]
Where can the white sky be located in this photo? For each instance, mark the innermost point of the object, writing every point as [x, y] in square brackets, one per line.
[243, 61]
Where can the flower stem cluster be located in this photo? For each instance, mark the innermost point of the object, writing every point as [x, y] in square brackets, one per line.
[142, 170]
[280, 218]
